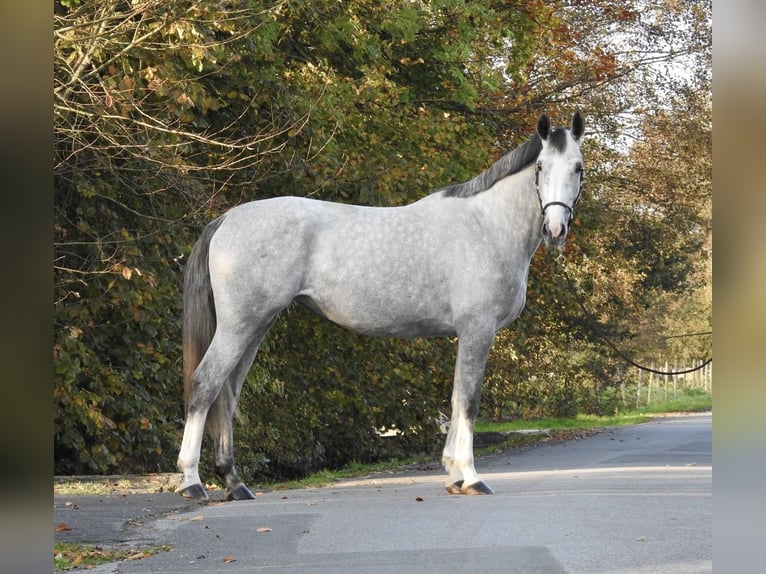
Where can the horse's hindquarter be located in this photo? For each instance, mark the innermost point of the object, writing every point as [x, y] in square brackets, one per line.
[258, 257]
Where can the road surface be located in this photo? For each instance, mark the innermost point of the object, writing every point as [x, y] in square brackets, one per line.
[632, 500]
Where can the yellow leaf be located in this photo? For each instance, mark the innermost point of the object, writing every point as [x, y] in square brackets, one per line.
[138, 556]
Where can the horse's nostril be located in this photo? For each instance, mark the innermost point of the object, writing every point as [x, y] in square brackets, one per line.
[554, 232]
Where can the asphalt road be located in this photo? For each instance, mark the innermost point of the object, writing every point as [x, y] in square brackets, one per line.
[632, 500]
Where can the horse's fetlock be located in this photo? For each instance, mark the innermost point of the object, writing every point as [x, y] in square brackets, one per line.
[225, 468]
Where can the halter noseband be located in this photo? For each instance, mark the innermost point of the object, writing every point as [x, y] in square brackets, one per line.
[569, 208]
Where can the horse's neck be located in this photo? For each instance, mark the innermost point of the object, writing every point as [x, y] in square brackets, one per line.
[511, 207]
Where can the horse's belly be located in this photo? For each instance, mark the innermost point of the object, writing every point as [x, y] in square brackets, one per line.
[380, 318]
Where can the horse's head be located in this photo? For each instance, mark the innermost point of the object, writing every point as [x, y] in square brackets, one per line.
[558, 176]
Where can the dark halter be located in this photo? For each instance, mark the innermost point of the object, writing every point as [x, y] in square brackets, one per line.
[569, 208]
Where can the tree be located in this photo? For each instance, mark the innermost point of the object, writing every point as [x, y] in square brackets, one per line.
[640, 248]
[147, 134]
[669, 180]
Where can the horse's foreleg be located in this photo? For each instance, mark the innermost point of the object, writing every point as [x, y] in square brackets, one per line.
[466, 394]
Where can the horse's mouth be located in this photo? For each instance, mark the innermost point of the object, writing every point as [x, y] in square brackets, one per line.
[557, 241]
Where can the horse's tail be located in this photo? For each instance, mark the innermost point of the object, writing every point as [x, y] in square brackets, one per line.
[199, 307]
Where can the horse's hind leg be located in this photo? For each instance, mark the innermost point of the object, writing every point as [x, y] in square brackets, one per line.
[466, 393]
[223, 358]
[219, 427]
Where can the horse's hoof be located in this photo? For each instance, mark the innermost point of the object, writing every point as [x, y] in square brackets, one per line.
[455, 487]
[480, 487]
[194, 492]
[239, 492]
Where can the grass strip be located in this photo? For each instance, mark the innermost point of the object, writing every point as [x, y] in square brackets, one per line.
[70, 555]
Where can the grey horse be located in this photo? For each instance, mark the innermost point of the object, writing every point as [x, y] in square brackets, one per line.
[453, 263]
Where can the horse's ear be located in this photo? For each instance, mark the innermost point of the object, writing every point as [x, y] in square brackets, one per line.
[543, 126]
[578, 125]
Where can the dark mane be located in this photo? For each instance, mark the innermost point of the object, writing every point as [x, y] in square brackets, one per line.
[512, 162]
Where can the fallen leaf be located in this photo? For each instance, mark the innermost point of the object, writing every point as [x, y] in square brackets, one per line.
[138, 556]
[62, 527]
[263, 529]
[229, 559]
[196, 518]
[419, 499]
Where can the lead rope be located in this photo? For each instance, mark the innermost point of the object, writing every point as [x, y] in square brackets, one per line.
[561, 259]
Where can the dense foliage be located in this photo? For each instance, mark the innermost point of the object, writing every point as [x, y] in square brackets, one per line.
[169, 112]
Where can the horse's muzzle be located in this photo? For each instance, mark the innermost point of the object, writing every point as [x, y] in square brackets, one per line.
[554, 235]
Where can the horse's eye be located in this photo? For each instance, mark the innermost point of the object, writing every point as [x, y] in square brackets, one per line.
[578, 169]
